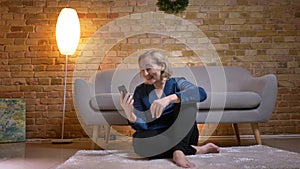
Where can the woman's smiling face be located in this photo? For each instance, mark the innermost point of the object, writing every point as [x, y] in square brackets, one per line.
[151, 72]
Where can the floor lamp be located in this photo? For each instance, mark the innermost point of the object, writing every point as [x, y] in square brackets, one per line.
[67, 38]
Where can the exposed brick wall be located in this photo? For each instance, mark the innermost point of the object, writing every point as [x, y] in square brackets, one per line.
[259, 35]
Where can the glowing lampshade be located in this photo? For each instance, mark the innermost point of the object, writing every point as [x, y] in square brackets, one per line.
[67, 31]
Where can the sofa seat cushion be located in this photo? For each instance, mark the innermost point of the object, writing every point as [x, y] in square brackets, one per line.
[230, 100]
[233, 100]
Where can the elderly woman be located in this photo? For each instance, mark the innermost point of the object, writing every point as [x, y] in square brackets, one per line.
[155, 106]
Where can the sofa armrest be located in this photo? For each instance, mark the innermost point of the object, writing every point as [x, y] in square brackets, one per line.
[106, 101]
[266, 87]
[81, 95]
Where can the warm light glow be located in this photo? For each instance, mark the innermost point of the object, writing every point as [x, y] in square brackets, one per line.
[67, 31]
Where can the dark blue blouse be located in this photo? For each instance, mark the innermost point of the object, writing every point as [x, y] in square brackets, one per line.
[144, 95]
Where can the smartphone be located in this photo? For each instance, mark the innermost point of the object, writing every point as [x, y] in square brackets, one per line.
[122, 89]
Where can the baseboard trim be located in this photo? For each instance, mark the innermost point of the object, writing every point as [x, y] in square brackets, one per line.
[246, 137]
[50, 140]
[243, 137]
[281, 136]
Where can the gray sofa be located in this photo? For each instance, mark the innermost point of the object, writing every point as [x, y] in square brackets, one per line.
[234, 96]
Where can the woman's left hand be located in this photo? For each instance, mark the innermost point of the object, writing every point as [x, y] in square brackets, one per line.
[157, 107]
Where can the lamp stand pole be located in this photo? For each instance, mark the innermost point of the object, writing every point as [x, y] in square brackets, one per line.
[65, 96]
[62, 140]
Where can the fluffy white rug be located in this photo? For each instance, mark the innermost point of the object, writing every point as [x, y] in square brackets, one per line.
[242, 157]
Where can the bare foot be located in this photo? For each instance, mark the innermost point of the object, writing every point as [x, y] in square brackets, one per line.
[207, 148]
[180, 160]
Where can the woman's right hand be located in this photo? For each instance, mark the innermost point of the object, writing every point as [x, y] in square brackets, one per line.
[127, 105]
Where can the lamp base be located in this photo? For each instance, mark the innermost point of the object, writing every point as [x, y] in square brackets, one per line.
[62, 141]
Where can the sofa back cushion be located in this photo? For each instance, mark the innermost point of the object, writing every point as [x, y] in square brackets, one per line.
[215, 78]
[107, 81]
[211, 78]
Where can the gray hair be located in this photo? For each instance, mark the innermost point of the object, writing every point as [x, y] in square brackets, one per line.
[159, 59]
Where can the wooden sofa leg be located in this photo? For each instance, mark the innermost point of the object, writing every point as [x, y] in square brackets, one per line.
[236, 132]
[95, 136]
[256, 132]
[107, 133]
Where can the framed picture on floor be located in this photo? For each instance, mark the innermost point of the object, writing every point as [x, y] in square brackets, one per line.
[12, 120]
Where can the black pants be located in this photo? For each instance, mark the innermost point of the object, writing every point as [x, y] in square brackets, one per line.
[142, 147]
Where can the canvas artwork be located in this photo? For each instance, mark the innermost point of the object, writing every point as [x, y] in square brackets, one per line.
[12, 120]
